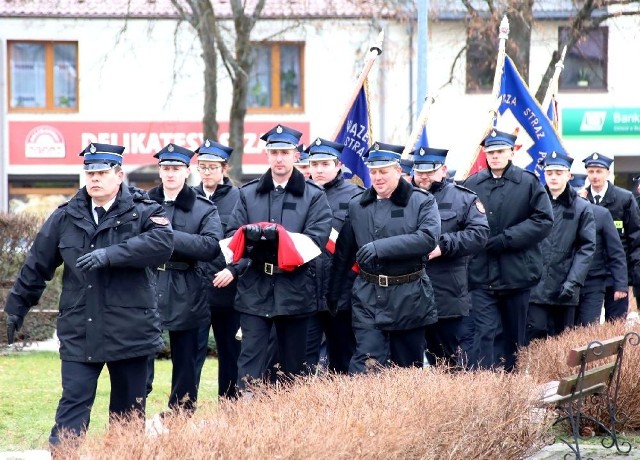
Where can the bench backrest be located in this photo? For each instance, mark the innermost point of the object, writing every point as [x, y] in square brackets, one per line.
[592, 378]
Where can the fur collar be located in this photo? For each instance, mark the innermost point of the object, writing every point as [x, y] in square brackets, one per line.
[400, 195]
[566, 198]
[295, 186]
[185, 199]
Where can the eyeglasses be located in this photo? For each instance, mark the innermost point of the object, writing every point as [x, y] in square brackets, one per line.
[208, 169]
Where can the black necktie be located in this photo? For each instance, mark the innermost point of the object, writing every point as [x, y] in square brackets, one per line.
[597, 199]
[279, 189]
[100, 212]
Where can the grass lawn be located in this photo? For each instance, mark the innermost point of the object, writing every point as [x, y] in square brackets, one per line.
[30, 390]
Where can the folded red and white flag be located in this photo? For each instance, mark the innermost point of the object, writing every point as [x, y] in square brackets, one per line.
[294, 249]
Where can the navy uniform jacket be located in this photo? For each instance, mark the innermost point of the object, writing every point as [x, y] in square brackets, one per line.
[225, 198]
[626, 217]
[568, 250]
[464, 231]
[110, 313]
[519, 214]
[196, 232]
[609, 261]
[403, 229]
[301, 208]
[339, 192]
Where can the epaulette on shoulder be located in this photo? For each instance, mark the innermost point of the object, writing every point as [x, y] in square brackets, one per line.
[310, 182]
[251, 182]
[203, 198]
[360, 192]
[532, 173]
[418, 189]
[144, 200]
[465, 189]
[63, 204]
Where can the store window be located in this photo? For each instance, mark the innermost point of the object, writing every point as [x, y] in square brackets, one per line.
[40, 195]
[43, 76]
[585, 65]
[276, 80]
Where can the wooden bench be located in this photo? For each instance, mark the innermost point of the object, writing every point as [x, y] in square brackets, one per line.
[600, 381]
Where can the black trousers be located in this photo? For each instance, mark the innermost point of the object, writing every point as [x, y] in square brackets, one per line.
[590, 303]
[443, 341]
[468, 353]
[614, 309]
[375, 347]
[291, 334]
[340, 340]
[495, 311]
[184, 382]
[79, 383]
[548, 320]
[225, 324]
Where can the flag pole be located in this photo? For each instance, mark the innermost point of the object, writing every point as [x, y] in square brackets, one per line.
[552, 88]
[418, 126]
[495, 91]
[374, 52]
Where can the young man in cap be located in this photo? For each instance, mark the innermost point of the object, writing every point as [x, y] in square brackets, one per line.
[108, 237]
[280, 202]
[626, 217]
[609, 264]
[302, 161]
[502, 275]
[213, 166]
[567, 253]
[324, 160]
[464, 232]
[183, 308]
[389, 229]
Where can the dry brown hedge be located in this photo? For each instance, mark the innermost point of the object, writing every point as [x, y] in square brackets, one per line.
[398, 413]
[545, 360]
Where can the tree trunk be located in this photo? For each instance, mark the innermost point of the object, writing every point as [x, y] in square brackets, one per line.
[209, 55]
[519, 43]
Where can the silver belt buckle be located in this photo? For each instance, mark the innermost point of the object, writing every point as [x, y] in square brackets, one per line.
[162, 267]
[383, 280]
[268, 269]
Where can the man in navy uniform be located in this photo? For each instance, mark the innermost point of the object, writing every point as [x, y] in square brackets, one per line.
[502, 275]
[464, 232]
[407, 168]
[324, 160]
[389, 229]
[609, 264]
[626, 217]
[110, 239]
[302, 161]
[268, 295]
[183, 308]
[567, 253]
[213, 166]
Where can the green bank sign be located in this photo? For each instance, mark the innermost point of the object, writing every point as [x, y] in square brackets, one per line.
[623, 122]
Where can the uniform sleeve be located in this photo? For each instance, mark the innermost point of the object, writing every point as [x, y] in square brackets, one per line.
[203, 245]
[43, 259]
[238, 217]
[536, 227]
[318, 222]
[585, 246]
[472, 238]
[418, 243]
[343, 259]
[632, 231]
[614, 254]
[152, 247]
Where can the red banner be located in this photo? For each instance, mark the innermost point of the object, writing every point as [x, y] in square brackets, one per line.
[60, 142]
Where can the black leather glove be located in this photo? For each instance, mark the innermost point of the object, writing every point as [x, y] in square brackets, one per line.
[366, 253]
[332, 305]
[14, 323]
[270, 232]
[252, 232]
[494, 244]
[93, 260]
[566, 293]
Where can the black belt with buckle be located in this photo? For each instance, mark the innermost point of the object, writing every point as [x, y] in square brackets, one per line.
[174, 266]
[270, 269]
[385, 280]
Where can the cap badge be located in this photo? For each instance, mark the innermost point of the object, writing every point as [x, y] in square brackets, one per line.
[279, 129]
[318, 141]
[92, 148]
[207, 143]
[170, 148]
[421, 151]
[554, 155]
[594, 156]
[493, 134]
[376, 146]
